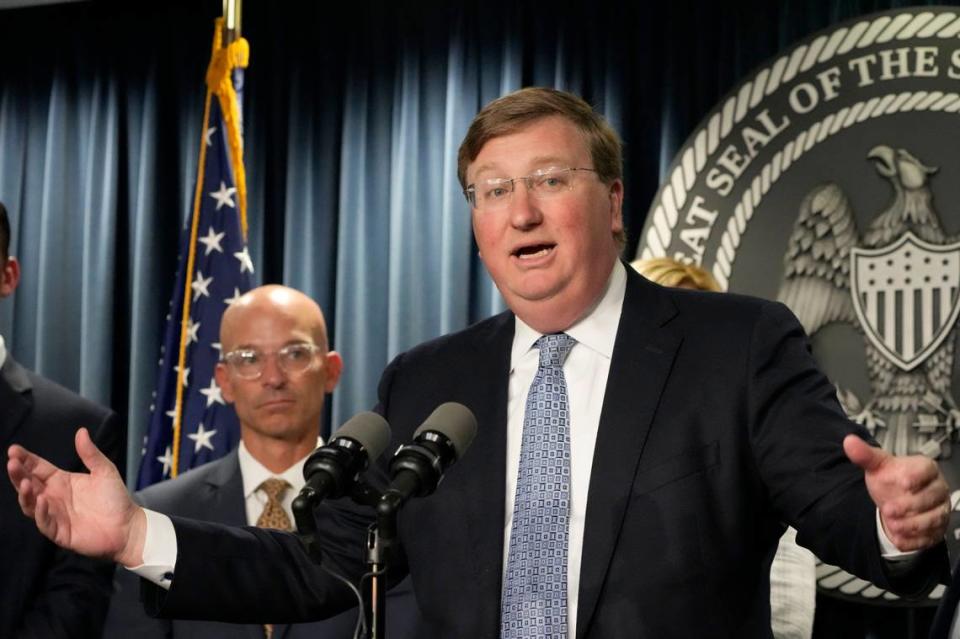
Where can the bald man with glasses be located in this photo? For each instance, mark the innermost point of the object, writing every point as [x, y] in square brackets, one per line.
[276, 370]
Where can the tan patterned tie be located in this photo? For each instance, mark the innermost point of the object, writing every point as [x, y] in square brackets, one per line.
[274, 516]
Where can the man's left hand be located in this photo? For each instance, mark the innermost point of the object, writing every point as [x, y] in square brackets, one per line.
[910, 493]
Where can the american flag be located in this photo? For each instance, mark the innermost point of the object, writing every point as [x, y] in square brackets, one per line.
[195, 425]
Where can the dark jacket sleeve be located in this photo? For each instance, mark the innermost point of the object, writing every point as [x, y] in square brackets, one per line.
[827, 501]
[72, 600]
[222, 574]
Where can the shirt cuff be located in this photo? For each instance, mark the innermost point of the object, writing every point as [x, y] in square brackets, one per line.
[159, 550]
[887, 550]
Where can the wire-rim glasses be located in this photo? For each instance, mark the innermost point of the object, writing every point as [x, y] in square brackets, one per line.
[293, 359]
[496, 193]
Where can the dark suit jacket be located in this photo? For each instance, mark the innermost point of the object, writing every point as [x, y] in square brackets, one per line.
[716, 426]
[214, 492]
[45, 591]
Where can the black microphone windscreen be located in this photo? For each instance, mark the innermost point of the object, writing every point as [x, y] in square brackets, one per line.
[368, 429]
[454, 420]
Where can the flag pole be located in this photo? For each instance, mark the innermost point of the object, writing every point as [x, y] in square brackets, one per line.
[232, 11]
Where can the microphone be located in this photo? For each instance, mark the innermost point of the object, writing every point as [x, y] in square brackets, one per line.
[441, 439]
[332, 470]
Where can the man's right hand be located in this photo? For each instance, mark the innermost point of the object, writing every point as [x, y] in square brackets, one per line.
[91, 514]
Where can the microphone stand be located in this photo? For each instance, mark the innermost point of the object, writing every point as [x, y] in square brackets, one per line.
[381, 537]
[374, 595]
[377, 548]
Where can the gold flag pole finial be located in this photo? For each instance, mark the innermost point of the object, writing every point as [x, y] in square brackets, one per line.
[232, 10]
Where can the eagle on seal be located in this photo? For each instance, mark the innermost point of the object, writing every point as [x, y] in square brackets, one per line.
[911, 411]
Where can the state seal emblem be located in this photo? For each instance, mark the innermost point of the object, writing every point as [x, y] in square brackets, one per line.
[829, 179]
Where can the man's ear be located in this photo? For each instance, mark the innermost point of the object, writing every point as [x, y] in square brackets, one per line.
[222, 376]
[616, 206]
[333, 364]
[9, 276]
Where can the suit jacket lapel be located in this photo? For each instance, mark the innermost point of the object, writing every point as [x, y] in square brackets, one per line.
[226, 501]
[642, 357]
[484, 482]
[16, 399]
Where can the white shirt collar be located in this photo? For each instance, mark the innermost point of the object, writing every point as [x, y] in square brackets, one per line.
[254, 473]
[3, 352]
[597, 330]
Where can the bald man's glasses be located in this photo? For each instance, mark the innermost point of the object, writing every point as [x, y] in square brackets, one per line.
[292, 359]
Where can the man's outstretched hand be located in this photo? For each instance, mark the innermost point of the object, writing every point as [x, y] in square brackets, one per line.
[910, 493]
[91, 514]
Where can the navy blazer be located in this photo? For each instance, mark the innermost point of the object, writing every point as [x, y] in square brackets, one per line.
[48, 592]
[214, 492]
[716, 427]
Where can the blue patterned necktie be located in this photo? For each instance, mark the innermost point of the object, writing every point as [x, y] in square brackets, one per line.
[535, 589]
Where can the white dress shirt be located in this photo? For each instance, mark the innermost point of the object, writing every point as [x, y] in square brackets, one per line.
[3, 352]
[793, 589]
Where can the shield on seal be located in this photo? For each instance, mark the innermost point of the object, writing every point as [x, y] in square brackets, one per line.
[905, 295]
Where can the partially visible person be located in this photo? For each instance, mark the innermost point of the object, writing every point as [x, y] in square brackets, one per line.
[667, 271]
[793, 579]
[276, 369]
[45, 591]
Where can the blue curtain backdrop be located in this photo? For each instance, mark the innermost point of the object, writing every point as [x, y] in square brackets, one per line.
[353, 115]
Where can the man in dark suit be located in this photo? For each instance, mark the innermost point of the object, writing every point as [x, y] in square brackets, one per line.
[46, 591]
[637, 447]
[276, 372]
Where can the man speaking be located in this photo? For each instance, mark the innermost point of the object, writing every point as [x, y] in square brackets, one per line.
[637, 451]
